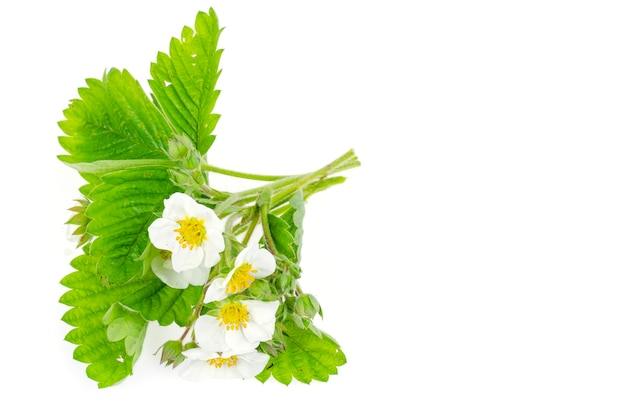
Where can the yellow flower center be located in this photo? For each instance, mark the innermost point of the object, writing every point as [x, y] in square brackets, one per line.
[191, 232]
[219, 361]
[234, 316]
[241, 278]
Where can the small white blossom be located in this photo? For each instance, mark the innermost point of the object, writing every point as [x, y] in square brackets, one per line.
[239, 325]
[202, 365]
[251, 263]
[191, 231]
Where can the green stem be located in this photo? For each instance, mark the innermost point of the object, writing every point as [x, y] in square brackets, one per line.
[346, 161]
[213, 192]
[284, 186]
[198, 308]
[239, 174]
[269, 241]
[253, 223]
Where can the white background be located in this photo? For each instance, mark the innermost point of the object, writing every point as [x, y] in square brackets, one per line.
[474, 263]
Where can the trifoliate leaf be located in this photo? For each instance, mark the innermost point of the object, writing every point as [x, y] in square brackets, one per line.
[305, 357]
[183, 82]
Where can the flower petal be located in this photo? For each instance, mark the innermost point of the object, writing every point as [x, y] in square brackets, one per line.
[169, 276]
[262, 312]
[177, 206]
[212, 247]
[216, 290]
[263, 262]
[196, 370]
[255, 333]
[237, 339]
[186, 259]
[226, 372]
[199, 353]
[197, 276]
[252, 363]
[162, 235]
[209, 334]
[195, 209]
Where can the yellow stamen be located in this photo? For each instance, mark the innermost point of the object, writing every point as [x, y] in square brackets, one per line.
[191, 232]
[219, 361]
[241, 279]
[234, 316]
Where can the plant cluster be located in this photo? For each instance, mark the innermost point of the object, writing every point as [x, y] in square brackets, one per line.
[159, 244]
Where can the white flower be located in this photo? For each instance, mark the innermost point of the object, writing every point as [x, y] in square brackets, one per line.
[251, 263]
[162, 267]
[202, 364]
[240, 325]
[191, 231]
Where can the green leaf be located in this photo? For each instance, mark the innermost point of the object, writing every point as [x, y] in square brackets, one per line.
[283, 239]
[183, 82]
[159, 302]
[305, 357]
[107, 329]
[108, 362]
[127, 325]
[287, 230]
[106, 166]
[117, 139]
[113, 120]
[123, 207]
[294, 217]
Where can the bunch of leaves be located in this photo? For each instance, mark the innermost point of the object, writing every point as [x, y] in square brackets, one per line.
[134, 151]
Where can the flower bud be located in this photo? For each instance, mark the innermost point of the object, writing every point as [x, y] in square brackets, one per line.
[172, 353]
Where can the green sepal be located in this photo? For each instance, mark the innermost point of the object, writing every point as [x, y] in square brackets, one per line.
[286, 283]
[172, 353]
[81, 221]
[307, 306]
